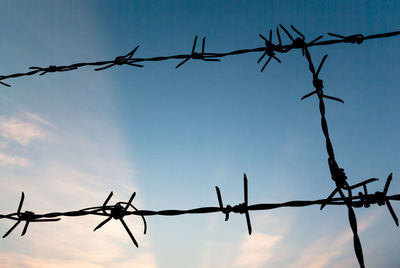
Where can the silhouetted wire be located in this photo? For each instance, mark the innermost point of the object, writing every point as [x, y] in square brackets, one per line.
[269, 49]
[122, 209]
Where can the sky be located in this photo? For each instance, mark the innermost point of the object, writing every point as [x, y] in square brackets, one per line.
[172, 135]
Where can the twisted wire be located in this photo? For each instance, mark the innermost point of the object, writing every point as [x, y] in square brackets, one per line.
[270, 49]
[122, 209]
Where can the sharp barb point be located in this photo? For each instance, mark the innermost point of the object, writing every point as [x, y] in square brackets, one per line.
[129, 202]
[308, 95]
[129, 232]
[105, 67]
[275, 58]
[286, 31]
[25, 228]
[194, 44]
[21, 202]
[279, 36]
[396, 221]
[102, 223]
[321, 64]
[248, 222]
[266, 63]
[183, 62]
[336, 35]
[316, 39]
[387, 184]
[11, 229]
[262, 56]
[130, 54]
[329, 198]
[298, 32]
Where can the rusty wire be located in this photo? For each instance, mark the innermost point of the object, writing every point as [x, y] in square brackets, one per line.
[122, 209]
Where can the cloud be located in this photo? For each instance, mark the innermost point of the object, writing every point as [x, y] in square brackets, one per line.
[256, 250]
[38, 119]
[58, 180]
[71, 242]
[11, 260]
[322, 252]
[23, 131]
[10, 160]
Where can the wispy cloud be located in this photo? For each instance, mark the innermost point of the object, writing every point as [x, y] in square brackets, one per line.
[84, 160]
[322, 252]
[72, 242]
[256, 250]
[58, 181]
[262, 248]
[23, 130]
[11, 160]
[37, 118]
[11, 260]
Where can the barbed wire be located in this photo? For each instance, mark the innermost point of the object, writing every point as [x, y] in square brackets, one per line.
[269, 49]
[338, 175]
[122, 209]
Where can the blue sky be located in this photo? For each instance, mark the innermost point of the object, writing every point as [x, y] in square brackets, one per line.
[67, 139]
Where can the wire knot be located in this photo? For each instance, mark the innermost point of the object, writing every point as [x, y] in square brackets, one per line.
[299, 42]
[270, 49]
[241, 208]
[118, 212]
[27, 216]
[50, 69]
[227, 210]
[338, 175]
[122, 60]
[195, 55]
[379, 198]
[318, 84]
[357, 38]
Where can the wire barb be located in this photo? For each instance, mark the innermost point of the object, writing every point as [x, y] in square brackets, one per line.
[298, 43]
[121, 60]
[4, 84]
[121, 209]
[318, 83]
[52, 69]
[269, 50]
[240, 208]
[27, 216]
[118, 212]
[380, 198]
[195, 55]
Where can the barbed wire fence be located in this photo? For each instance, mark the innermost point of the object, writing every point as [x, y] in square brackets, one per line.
[122, 209]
